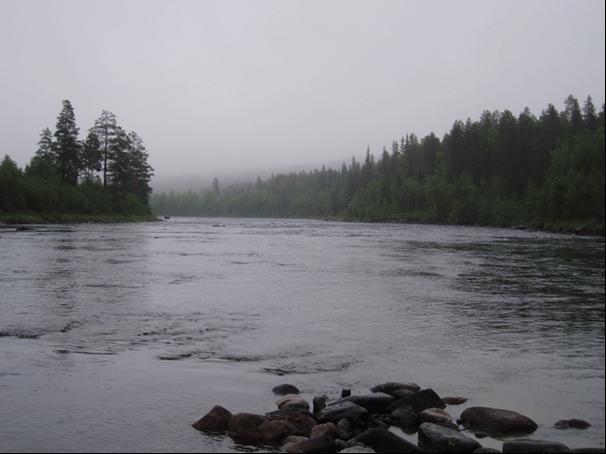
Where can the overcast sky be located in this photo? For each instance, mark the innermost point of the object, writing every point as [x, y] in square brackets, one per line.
[216, 86]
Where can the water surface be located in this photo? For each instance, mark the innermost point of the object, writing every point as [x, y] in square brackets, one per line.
[118, 337]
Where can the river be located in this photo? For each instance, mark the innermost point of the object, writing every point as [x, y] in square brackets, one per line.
[118, 337]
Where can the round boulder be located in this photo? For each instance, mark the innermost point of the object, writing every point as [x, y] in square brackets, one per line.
[437, 438]
[496, 421]
[285, 389]
[215, 421]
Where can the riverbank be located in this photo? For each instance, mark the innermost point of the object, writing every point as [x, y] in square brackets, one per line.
[71, 218]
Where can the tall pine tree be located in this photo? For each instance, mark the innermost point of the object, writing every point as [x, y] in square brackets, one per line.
[66, 146]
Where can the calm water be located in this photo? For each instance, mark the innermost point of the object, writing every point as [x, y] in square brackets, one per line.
[118, 337]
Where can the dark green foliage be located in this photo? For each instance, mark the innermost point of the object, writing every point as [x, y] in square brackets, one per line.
[499, 170]
[61, 178]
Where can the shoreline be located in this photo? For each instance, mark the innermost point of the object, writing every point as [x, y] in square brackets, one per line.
[10, 220]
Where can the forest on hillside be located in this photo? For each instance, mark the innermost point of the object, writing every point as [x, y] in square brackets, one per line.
[107, 173]
[502, 169]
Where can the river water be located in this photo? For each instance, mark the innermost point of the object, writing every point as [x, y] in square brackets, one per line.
[118, 337]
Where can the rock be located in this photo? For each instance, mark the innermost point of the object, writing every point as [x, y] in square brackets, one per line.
[495, 421]
[454, 400]
[480, 434]
[374, 403]
[486, 450]
[406, 418]
[292, 402]
[436, 416]
[376, 421]
[322, 444]
[572, 424]
[426, 398]
[382, 440]
[358, 449]
[301, 421]
[285, 389]
[324, 430]
[391, 387]
[434, 437]
[348, 410]
[523, 445]
[403, 394]
[319, 403]
[244, 427]
[345, 392]
[216, 420]
[273, 432]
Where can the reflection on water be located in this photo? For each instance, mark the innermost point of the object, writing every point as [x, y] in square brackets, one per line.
[510, 318]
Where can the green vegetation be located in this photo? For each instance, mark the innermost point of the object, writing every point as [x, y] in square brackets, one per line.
[545, 172]
[63, 181]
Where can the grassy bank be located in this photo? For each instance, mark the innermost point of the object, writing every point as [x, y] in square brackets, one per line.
[71, 218]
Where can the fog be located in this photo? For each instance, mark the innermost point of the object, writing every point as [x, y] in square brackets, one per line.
[238, 87]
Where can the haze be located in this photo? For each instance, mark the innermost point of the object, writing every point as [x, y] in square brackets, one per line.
[221, 87]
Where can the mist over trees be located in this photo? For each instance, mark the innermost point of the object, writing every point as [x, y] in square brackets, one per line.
[106, 173]
[501, 169]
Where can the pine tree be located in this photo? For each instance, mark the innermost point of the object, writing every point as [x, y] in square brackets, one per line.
[590, 118]
[107, 132]
[66, 146]
[42, 164]
[91, 155]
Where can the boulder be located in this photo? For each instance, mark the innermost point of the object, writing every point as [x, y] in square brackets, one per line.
[317, 445]
[273, 432]
[285, 389]
[301, 421]
[215, 421]
[345, 392]
[289, 441]
[426, 398]
[391, 387]
[403, 394]
[571, 424]
[406, 418]
[496, 421]
[292, 402]
[454, 400]
[525, 445]
[244, 427]
[382, 440]
[348, 410]
[324, 430]
[374, 403]
[436, 416]
[434, 437]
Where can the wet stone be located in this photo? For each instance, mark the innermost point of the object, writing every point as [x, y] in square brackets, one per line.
[284, 389]
[434, 437]
[216, 420]
[571, 424]
[526, 445]
[496, 421]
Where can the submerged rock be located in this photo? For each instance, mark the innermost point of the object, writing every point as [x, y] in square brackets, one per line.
[285, 389]
[216, 420]
[434, 437]
[454, 400]
[533, 446]
[571, 424]
[496, 421]
[319, 404]
[348, 410]
[382, 440]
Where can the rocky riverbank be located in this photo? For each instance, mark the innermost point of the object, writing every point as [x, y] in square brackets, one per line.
[362, 423]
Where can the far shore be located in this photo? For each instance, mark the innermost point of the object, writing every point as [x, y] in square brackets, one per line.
[10, 220]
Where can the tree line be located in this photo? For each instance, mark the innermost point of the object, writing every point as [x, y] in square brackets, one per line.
[501, 169]
[106, 173]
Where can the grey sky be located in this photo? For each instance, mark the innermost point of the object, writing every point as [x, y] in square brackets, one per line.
[213, 86]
